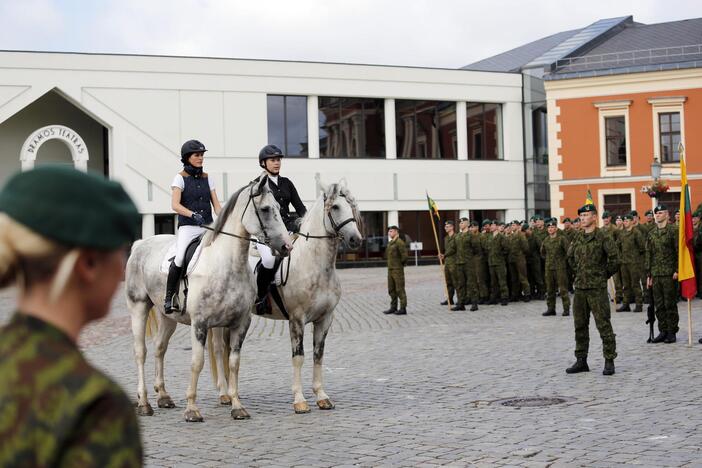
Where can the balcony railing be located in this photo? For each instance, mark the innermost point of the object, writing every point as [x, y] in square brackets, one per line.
[630, 58]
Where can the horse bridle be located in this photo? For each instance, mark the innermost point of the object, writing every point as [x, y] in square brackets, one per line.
[335, 226]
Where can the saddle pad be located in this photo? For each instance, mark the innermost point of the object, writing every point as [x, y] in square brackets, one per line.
[170, 253]
[278, 279]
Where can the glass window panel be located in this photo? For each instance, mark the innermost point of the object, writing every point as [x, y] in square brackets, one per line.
[615, 129]
[425, 129]
[352, 127]
[617, 204]
[664, 120]
[475, 131]
[276, 121]
[287, 124]
[484, 131]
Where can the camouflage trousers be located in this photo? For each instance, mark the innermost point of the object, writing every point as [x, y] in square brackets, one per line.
[470, 284]
[519, 277]
[596, 301]
[536, 276]
[459, 282]
[618, 287]
[396, 287]
[482, 272]
[498, 282]
[450, 275]
[557, 280]
[665, 299]
[631, 283]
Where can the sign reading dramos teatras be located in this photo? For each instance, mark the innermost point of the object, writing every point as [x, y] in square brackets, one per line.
[78, 148]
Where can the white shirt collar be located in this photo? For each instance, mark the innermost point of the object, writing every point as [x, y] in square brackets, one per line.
[273, 178]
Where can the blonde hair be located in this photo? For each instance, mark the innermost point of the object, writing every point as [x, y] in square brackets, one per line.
[27, 258]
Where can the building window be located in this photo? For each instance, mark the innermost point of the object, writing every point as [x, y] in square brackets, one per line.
[617, 203]
[669, 131]
[287, 124]
[425, 129]
[164, 224]
[671, 200]
[351, 127]
[484, 131]
[615, 140]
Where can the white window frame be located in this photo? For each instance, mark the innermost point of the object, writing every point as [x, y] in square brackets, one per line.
[614, 109]
[662, 105]
[616, 191]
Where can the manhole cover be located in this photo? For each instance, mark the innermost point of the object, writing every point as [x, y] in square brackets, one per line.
[531, 402]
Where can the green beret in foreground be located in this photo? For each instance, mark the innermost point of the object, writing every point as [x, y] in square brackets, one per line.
[649, 212]
[628, 216]
[71, 207]
[566, 220]
[486, 222]
[589, 208]
[606, 214]
[551, 222]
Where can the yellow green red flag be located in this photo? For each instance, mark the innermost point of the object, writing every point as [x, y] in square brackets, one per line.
[433, 209]
[686, 254]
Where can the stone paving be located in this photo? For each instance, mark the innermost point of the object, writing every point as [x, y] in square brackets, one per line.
[421, 390]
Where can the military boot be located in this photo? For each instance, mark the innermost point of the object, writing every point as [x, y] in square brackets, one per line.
[670, 338]
[504, 302]
[458, 306]
[402, 311]
[566, 313]
[172, 288]
[579, 366]
[624, 308]
[474, 306]
[391, 310]
[660, 338]
[608, 367]
[526, 298]
[549, 313]
[638, 308]
[446, 302]
[263, 283]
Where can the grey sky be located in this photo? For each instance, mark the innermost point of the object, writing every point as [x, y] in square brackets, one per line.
[430, 33]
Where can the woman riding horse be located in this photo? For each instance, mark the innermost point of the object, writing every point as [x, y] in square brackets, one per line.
[285, 193]
[192, 199]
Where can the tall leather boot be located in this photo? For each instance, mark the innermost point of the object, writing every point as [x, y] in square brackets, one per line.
[172, 287]
[263, 281]
[579, 366]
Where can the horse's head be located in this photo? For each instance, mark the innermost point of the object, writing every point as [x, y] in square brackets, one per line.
[262, 218]
[341, 213]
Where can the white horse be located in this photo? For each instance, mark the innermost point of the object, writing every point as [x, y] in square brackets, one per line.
[312, 289]
[221, 290]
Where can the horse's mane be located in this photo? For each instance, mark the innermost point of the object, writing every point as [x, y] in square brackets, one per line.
[336, 190]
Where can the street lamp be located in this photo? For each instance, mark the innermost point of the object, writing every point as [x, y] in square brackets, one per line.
[656, 169]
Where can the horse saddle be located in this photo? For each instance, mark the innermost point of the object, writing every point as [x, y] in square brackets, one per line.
[192, 255]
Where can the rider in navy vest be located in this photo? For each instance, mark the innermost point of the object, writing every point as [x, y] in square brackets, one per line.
[193, 198]
[285, 193]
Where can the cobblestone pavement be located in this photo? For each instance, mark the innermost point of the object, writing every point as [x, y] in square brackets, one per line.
[420, 390]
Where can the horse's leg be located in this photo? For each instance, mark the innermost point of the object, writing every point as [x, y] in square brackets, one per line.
[140, 313]
[163, 335]
[297, 334]
[320, 335]
[217, 359]
[198, 337]
[236, 340]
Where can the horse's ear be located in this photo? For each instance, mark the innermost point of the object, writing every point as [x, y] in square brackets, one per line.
[342, 183]
[323, 187]
[263, 182]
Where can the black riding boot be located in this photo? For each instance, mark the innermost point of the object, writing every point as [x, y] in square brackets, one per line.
[263, 282]
[172, 287]
[579, 366]
[608, 367]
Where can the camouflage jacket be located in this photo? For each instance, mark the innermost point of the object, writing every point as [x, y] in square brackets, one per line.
[594, 258]
[464, 252]
[613, 231]
[555, 251]
[534, 247]
[517, 246]
[55, 409]
[450, 250]
[644, 229]
[569, 234]
[540, 235]
[396, 253]
[662, 251]
[476, 245]
[496, 249]
[697, 242]
[632, 246]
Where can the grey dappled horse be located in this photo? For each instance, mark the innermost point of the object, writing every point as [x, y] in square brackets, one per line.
[312, 290]
[221, 289]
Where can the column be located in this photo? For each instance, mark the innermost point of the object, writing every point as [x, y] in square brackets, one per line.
[464, 214]
[390, 145]
[313, 127]
[394, 218]
[511, 131]
[148, 225]
[462, 130]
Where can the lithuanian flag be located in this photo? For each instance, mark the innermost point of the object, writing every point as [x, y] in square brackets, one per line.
[588, 198]
[686, 254]
[433, 209]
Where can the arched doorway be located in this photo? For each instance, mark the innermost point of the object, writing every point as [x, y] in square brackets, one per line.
[74, 142]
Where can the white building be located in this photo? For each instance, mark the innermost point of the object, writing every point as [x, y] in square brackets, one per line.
[393, 132]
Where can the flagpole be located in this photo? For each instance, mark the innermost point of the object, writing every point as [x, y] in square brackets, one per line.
[441, 263]
[689, 323]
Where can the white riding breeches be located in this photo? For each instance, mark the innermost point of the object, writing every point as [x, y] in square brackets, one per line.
[183, 239]
[267, 257]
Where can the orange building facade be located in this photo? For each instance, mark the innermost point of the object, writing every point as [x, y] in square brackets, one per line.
[605, 131]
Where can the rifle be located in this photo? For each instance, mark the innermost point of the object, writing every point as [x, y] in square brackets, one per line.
[651, 313]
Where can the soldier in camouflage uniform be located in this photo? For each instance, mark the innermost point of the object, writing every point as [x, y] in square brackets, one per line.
[473, 265]
[697, 246]
[450, 258]
[645, 229]
[612, 230]
[554, 250]
[662, 274]
[462, 259]
[632, 247]
[518, 250]
[396, 255]
[55, 408]
[538, 234]
[594, 258]
[482, 263]
[496, 253]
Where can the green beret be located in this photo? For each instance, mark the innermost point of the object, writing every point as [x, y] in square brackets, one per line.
[393, 227]
[589, 208]
[71, 207]
[567, 220]
[551, 222]
[499, 223]
[538, 217]
[449, 221]
[634, 213]
[525, 226]
[516, 221]
[464, 219]
[649, 212]
[697, 214]
[628, 216]
[660, 208]
[474, 223]
[606, 214]
[486, 222]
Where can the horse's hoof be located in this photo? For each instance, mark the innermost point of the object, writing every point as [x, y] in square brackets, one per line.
[193, 416]
[301, 408]
[239, 414]
[145, 410]
[325, 404]
[166, 402]
[224, 400]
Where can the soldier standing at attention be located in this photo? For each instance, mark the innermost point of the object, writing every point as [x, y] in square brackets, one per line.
[555, 251]
[483, 267]
[612, 230]
[396, 255]
[497, 250]
[662, 274]
[64, 238]
[576, 224]
[633, 248]
[518, 251]
[462, 258]
[473, 278]
[649, 224]
[534, 239]
[450, 258]
[594, 258]
[697, 245]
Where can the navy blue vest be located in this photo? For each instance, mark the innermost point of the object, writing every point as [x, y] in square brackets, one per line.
[196, 197]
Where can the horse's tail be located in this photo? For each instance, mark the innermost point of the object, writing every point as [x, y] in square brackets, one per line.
[151, 323]
[213, 356]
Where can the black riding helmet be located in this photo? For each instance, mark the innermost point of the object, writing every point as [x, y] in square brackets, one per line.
[190, 147]
[268, 152]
